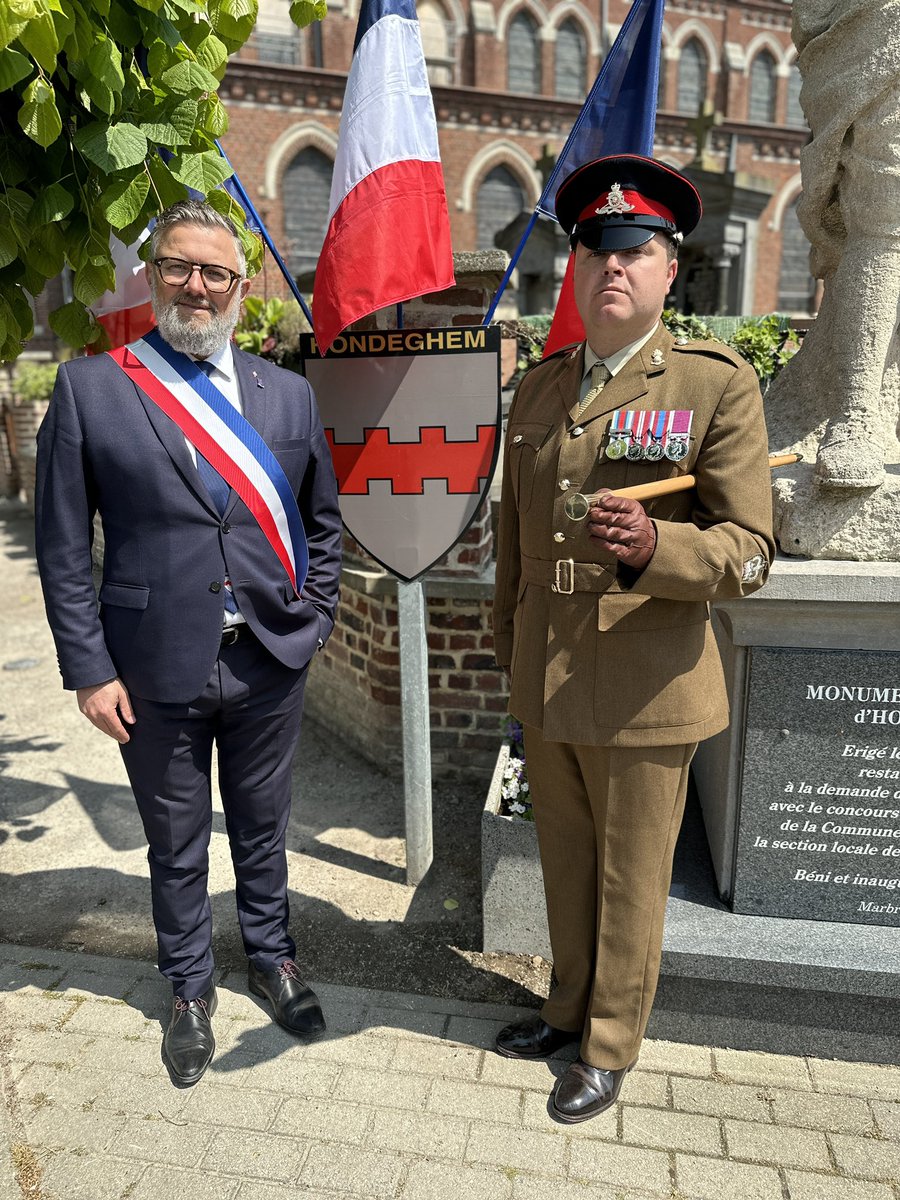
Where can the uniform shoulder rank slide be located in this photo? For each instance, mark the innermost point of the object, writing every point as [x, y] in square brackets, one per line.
[649, 434]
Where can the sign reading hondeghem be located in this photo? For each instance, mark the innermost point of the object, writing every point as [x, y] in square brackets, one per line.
[412, 417]
[819, 829]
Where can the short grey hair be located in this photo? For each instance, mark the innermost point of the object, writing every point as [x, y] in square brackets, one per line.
[196, 212]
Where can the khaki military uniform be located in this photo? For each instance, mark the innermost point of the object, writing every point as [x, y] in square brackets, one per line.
[615, 673]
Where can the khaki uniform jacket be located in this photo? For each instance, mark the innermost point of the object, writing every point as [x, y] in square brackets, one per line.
[628, 658]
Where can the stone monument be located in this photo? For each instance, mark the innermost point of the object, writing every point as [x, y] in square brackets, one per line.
[807, 822]
[838, 400]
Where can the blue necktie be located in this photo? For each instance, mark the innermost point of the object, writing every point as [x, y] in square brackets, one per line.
[218, 489]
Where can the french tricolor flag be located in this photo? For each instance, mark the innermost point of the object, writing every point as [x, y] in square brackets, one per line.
[126, 313]
[388, 237]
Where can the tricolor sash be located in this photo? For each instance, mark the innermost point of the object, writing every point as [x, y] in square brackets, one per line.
[225, 438]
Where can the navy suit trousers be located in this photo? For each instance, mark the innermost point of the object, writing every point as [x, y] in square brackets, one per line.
[250, 710]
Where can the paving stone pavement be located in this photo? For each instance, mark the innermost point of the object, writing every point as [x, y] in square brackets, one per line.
[402, 1099]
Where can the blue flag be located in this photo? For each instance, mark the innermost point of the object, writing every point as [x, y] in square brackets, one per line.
[619, 115]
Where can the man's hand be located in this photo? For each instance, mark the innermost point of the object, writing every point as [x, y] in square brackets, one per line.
[621, 526]
[103, 704]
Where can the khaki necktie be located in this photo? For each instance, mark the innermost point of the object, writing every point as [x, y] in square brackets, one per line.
[600, 376]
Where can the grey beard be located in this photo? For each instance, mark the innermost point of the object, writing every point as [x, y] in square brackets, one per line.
[193, 338]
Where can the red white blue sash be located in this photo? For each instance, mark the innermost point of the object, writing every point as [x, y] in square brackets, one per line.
[226, 440]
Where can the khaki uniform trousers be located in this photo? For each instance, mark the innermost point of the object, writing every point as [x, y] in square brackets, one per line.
[607, 821]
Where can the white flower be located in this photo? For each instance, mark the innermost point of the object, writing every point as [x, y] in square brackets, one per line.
[517, 808]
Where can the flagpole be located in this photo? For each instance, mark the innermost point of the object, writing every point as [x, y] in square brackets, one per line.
[509, 270]
[247, 204]
[415, 718]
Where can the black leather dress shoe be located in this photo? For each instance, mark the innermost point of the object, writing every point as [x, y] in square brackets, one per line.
[295, 1004]
[188, 1043]
[584, 1091]
[532, 1038]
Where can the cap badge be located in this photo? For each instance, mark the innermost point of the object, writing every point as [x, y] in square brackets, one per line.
[615, 202]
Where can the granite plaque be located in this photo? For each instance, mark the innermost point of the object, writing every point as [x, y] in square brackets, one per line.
[819, 824]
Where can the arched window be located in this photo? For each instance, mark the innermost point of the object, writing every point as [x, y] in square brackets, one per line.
[438, 41]
[306, 193]
[500, 200]
[762, 88]
[796, 287]
[693, 68]
[571, 62]
[795, 115]
[524, 56]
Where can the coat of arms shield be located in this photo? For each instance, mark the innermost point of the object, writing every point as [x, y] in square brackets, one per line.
[412, 417]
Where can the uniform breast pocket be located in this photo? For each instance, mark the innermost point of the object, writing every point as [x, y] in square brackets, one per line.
[524, 442]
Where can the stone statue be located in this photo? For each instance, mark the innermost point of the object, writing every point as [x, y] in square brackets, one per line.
[838, 400]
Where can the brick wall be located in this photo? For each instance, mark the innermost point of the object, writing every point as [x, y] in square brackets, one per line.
[354, 686]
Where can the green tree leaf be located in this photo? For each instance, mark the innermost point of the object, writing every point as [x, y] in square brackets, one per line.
[14, 67]
[9, 247]
[74, 324]
[124, 198]
[167, 189]
[14, 16]
[39, 117]
[40, 39]
[202, 172]
[92, 280]
[233, 20]
[178, 126]
[124, 24]
[212, 117]
[21, 312]
[105, 63]
[54, 203]
[189, 78]
[112, 147]
[212, 54]
[304, 12]
[47, 253]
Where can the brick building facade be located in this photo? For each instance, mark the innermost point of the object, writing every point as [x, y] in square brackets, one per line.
[508, 78]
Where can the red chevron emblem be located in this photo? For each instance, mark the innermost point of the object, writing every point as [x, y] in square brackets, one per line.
[464, 466]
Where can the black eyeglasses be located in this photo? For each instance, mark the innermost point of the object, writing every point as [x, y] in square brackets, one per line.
[176, 271]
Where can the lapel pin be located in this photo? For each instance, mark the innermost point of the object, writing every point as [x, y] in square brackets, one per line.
[656, 358]
[259, 384]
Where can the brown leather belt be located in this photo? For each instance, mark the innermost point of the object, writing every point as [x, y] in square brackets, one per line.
[565, 576]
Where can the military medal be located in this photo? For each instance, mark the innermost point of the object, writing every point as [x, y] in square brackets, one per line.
[635, 452]
[678, 435]
[654, 449]
[619, 434]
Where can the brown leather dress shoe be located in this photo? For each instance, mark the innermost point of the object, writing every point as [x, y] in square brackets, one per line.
[295, 1004]
[584, 1091]
[532, 1038]
[188, 1043]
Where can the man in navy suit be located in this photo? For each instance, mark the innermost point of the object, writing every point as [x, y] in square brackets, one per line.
[205, 626]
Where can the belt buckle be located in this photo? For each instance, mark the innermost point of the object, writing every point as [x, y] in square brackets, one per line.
[230, 635]
[565, 580]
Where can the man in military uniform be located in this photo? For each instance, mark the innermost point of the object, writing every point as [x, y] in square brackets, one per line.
[603, 623]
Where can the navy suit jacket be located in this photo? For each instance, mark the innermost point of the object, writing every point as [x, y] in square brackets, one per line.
[106, 447]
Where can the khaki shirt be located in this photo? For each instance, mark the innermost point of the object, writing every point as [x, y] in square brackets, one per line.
[626, 658]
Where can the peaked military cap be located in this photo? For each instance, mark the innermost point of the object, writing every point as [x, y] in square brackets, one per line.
[619, 202]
